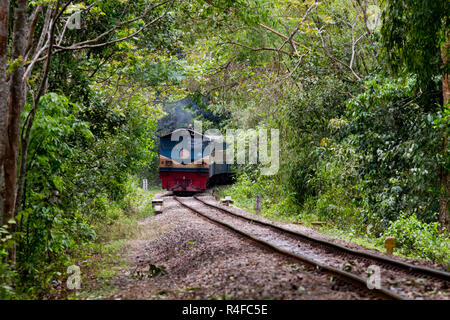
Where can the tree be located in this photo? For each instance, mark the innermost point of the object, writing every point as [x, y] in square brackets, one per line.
[40, 31]
[4, 18]
[416, 37]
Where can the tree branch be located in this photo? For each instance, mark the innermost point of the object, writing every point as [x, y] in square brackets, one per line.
[88, 44]
[30, 119]
[256, 49]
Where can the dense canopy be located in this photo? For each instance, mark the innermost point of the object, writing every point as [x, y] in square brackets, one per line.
[358, 89]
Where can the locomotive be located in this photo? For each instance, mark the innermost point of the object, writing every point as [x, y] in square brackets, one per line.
[190, 166]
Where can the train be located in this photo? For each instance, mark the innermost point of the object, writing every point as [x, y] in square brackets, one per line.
[189, 167]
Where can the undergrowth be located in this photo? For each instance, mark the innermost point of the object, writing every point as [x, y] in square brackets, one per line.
[97, 256]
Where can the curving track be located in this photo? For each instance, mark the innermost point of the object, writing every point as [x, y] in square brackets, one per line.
[399, 280]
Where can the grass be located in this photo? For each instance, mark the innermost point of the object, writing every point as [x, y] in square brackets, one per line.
[100, 262]
[98, 271]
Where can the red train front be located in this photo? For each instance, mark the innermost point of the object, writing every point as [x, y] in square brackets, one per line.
[183, 164]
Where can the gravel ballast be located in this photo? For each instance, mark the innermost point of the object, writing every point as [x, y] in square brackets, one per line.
[191, 258]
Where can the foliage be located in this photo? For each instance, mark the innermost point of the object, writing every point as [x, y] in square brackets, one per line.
[399, 147]
[119, 219]
[7, 273]
[414, 33]
[410, 234]
[359, 146]
[74, 173]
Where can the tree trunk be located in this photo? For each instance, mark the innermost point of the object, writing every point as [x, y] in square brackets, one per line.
[4, 23]
[29, 123]
[16, 101]
[445, 188]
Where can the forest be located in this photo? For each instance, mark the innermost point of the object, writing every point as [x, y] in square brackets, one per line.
[358, 89]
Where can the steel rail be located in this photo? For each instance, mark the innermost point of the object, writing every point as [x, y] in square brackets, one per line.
[382, 291]
[405, 265]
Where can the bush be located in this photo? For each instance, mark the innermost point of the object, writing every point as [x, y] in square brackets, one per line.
[121, 218]
[398, 147]
[422, 239]
[7, 274]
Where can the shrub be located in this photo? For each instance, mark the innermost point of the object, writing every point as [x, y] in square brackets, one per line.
[422, 239]
[7, 274]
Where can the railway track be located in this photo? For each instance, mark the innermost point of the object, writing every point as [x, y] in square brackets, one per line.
[398, 280]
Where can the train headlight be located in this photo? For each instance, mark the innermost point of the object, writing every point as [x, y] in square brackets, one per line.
[185, 154]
